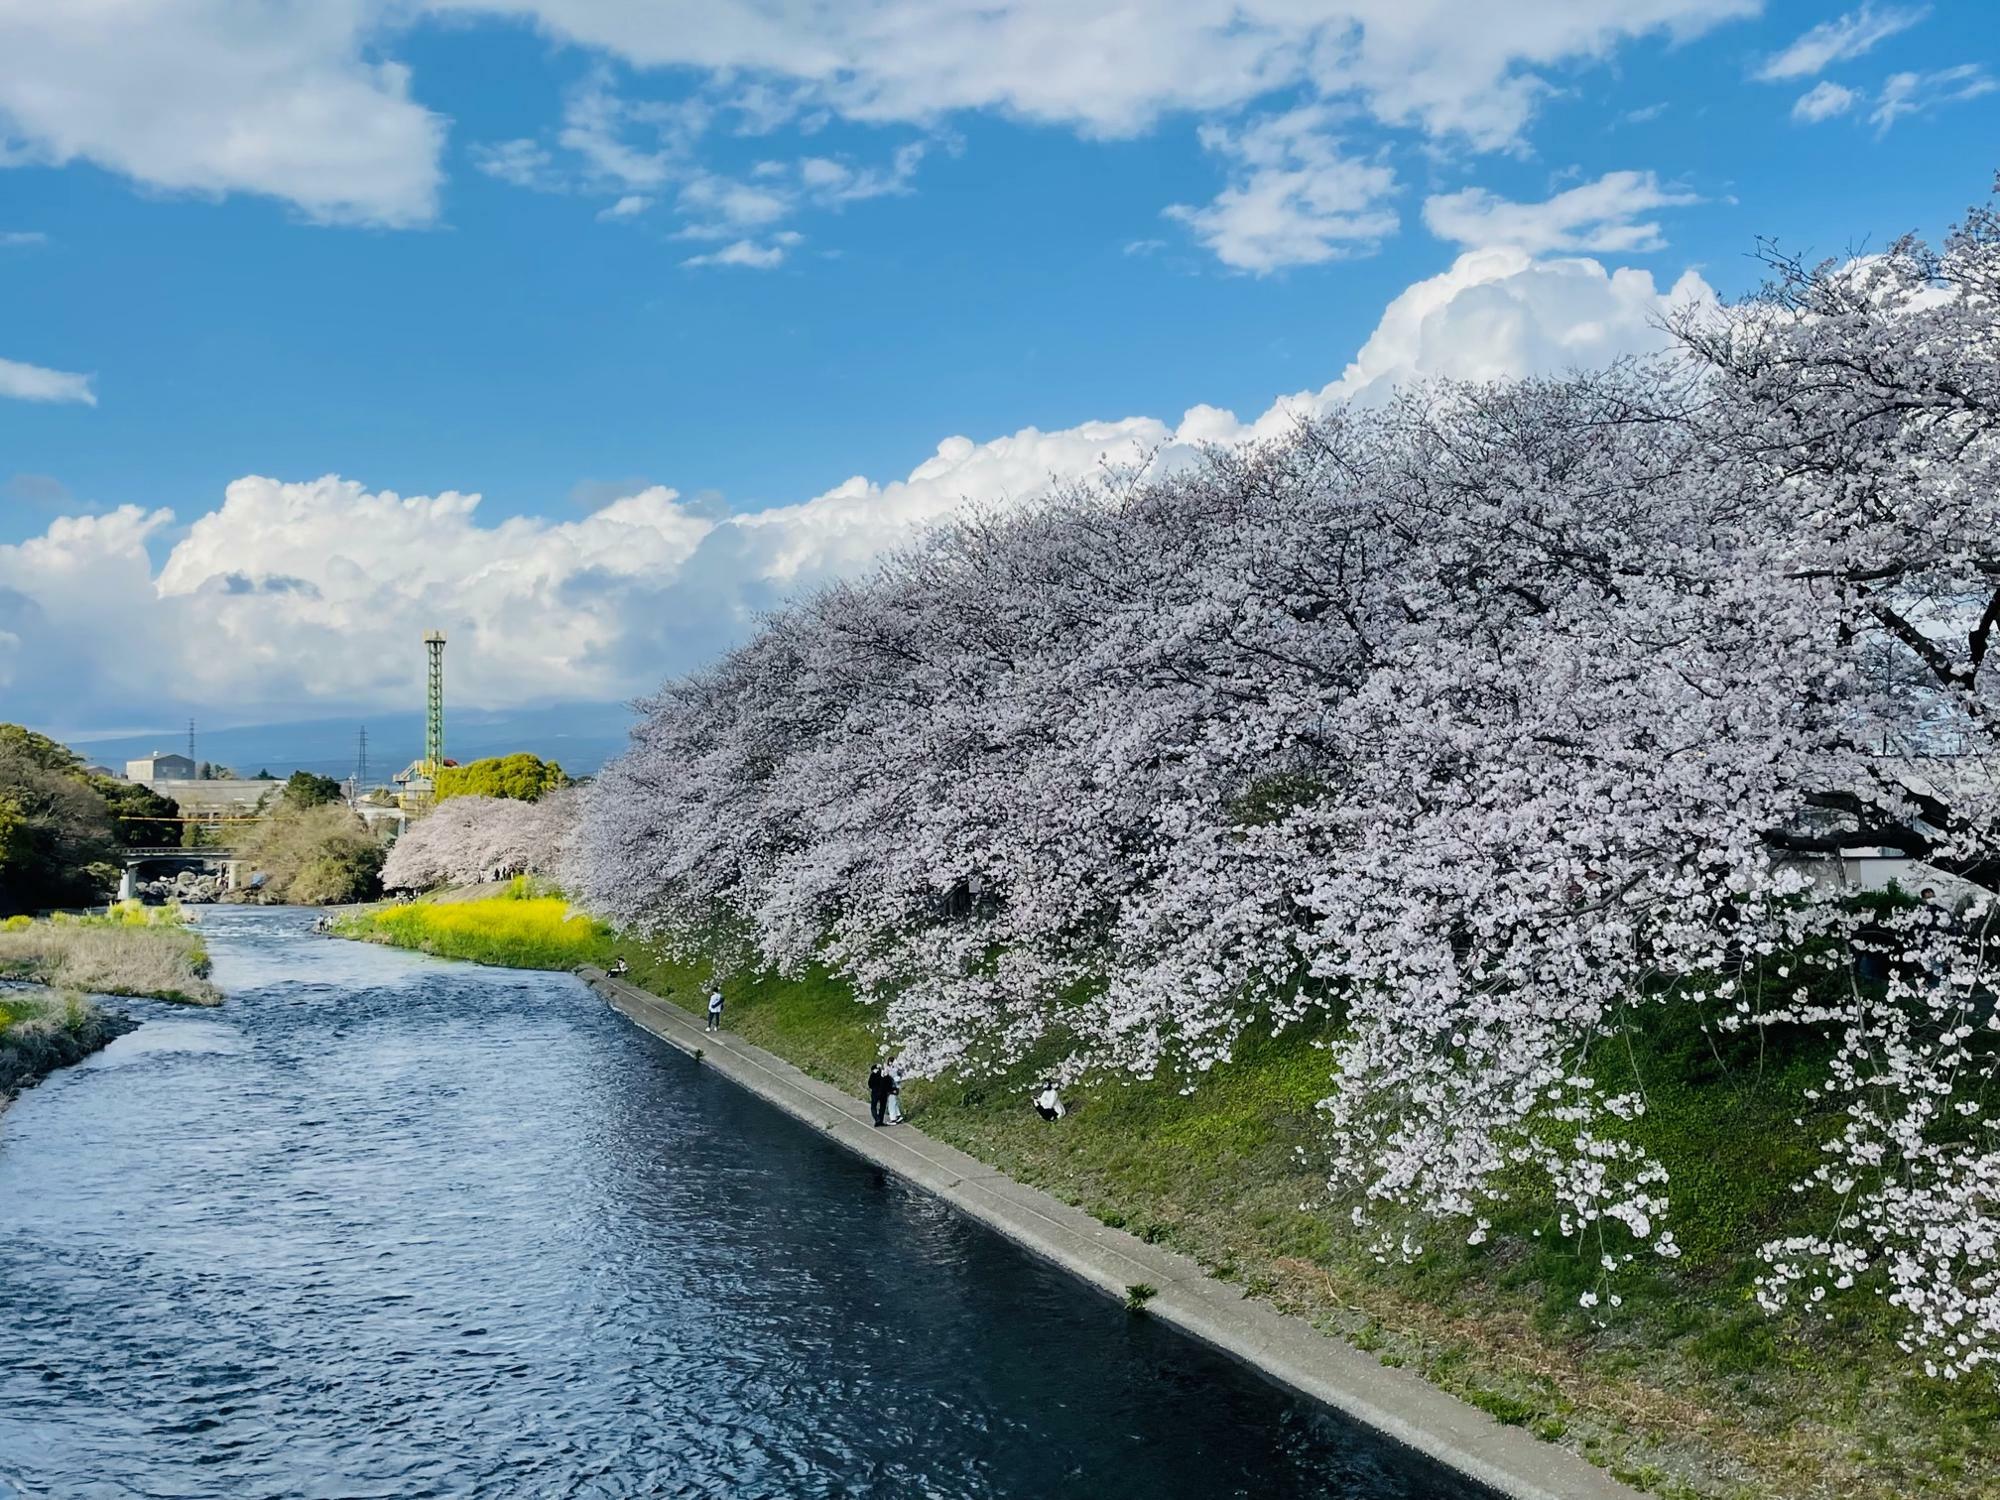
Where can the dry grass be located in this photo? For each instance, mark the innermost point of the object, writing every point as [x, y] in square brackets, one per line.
[40, 1033]
[148, 952]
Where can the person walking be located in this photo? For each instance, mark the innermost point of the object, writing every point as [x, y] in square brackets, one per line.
[715, 1010]
[878, 1092]
[895, 1096]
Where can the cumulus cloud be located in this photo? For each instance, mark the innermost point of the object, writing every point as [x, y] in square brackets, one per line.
[214, 97]
[24, 382]
[1600, 216]
[1823, 101]
[1840, 40]
[290, 599]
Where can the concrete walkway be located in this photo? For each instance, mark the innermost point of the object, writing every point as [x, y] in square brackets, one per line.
[1290, 1352]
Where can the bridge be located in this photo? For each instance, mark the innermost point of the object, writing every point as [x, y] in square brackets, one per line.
[228, 860]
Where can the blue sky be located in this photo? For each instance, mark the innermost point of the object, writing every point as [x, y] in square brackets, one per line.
[627, 270]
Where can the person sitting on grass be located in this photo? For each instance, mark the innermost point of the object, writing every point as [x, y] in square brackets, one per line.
[619, 966]
[1049, 1104]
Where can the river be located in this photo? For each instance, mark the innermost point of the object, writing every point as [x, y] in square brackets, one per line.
[384, 1225]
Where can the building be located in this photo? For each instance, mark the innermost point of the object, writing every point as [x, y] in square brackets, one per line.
[160, 767]
[217, 799]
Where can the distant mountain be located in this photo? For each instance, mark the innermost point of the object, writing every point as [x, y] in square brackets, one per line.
[582, 736]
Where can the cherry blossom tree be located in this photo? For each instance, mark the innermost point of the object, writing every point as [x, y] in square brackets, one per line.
[469, 839]
[1488, 727]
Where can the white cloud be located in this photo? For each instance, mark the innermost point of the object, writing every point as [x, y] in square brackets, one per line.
[1293, 198]
[215, 97]
[1599, 216]
[293, 597]
[1110, 68]
[523, 163]
[1911, 93]
[628, 207]
[1498, 313]
[635, 151]
[832, 183]
[1823, 101]
[306, 102]
[14, 239]
[1840, 40]
[34, 383]
[749, 254]
[717, 207]
[1460, 71]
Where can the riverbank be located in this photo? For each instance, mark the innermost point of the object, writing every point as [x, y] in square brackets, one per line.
[1147, 1276]
[41, 1032]
[147, 952]
[1690, 1391]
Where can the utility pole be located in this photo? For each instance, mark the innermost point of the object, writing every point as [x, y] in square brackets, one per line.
[361, 763]
[191, 741]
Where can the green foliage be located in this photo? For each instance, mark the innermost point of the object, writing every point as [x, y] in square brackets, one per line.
[143, 818]
[522, 777]
[321, 855]
[1138, 1294]
[57, 840]
[39, 750]
[304, 789]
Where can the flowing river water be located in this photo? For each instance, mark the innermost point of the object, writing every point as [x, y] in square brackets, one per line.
[384, 1225]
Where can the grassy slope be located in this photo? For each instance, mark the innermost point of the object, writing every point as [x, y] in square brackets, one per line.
[1691, 1389]
[40, 1033]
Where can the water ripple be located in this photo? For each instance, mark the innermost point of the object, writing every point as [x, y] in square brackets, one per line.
[387, 1226]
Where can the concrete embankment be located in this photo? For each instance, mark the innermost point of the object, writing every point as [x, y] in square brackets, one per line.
[1395, 1402]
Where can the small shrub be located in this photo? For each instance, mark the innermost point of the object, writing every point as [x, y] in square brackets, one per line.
[1138, 1294]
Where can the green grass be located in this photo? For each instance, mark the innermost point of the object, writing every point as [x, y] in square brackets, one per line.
[1690, 1387]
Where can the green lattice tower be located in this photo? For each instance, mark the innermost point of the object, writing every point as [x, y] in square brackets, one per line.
[434, 706]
